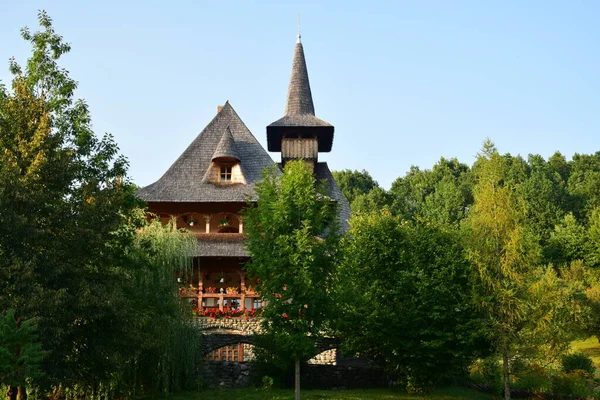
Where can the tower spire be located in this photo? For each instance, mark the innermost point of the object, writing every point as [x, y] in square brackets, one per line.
[299, 36]
[299, 97]
[299, 120]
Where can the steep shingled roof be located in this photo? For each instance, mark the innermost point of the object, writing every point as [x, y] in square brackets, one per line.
[299, 108]
[299, 97]
[183, 180]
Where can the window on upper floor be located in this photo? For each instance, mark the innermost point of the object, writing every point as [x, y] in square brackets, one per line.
[225, 173]
[257, 303]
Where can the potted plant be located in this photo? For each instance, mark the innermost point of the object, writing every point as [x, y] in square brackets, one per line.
[231, 290]
[192, 222]
[224, 222]
[211, 289]
[249, 290]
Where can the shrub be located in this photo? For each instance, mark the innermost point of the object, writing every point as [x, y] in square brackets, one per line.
[533, 378]
[577, 383]
[267, 382]
[487, 371]
[578, 361]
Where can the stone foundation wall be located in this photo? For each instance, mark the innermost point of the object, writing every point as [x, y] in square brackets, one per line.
[226, 374]
[248, 352]
[328, 357]
[242, 325]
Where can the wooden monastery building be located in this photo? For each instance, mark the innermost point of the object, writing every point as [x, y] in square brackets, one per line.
[207, 187]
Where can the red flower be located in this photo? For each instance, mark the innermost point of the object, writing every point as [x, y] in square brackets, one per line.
[284, 315]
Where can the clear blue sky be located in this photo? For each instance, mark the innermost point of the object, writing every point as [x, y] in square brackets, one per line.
[403, 82]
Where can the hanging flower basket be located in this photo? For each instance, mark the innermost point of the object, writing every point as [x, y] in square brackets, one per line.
[192, 222]
[224, 222]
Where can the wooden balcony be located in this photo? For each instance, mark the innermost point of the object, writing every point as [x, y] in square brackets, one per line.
[221, 300]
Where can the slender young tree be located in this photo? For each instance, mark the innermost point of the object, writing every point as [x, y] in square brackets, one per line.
[502, 253]
[21, 354]
[292, 235]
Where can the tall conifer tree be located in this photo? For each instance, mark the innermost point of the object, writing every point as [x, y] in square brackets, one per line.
[502, 252]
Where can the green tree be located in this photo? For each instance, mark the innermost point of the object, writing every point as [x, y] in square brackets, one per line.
[557, 313]
[292, 235]
[164, 343]
[559, 164]
[376, 199]
[502, 252]
[21, 353]
[545, 193]
[69, 251]
[442, 194]
[405, 299]
[584, 184]
[567, 242]
[354, 183]
[65, 205]
[592, 240]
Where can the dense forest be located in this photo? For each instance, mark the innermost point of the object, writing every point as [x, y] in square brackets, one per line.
[484, 274]
[484, 266]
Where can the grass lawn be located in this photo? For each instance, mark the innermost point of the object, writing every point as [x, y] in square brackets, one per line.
[451, 393]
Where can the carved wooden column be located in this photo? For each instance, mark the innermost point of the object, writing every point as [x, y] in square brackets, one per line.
[200, 289]
[240, 224]
[207, 218]
[243, 288]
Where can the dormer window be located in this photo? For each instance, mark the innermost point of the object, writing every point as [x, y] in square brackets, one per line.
[225, 167]
[225, 173]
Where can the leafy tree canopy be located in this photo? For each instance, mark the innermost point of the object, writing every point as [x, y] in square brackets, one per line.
[354, 183]
[405, 290]
[69, 248]
[292, 235]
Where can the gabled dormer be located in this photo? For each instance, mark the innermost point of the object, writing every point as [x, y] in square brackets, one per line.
[225, 167]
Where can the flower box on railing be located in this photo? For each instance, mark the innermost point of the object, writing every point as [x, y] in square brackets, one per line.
[231, 290]
[227, 312]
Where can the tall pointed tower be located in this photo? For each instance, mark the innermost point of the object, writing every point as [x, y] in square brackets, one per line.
[299, 134]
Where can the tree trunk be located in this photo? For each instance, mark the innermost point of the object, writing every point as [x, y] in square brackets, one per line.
[506, 375]
[22, 393]
[297, 378]
[12, 393]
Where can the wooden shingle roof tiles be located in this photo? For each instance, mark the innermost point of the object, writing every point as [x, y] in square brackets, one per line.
[183, 181]
[226, 147]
